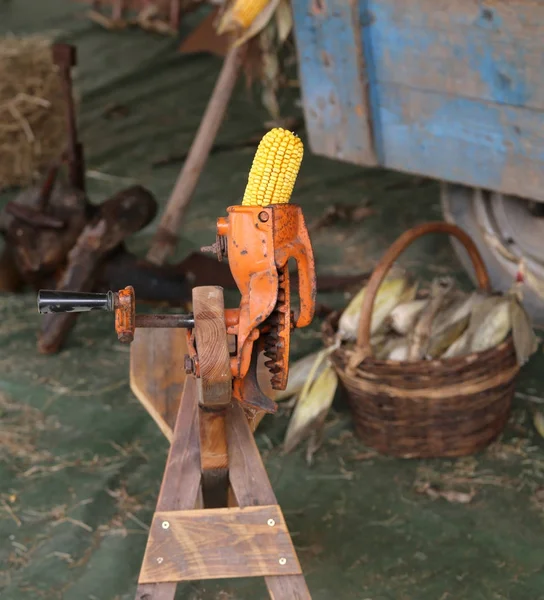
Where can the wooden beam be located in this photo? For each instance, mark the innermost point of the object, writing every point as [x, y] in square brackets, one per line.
[219, 543]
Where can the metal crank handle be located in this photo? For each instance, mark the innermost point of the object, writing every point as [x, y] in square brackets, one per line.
[53, 301]
[122, 303]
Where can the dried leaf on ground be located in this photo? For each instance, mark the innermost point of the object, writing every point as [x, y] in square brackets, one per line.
[453, 496]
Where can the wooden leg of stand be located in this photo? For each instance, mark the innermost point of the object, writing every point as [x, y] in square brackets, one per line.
[182, 476]
[252, 487]
[213, 452]
[216, 389]
[157, 373]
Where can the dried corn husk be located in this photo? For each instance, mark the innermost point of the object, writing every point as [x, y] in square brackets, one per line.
[384, 350]
[459, 347]
[270, 70]
[538, 421]
[490, 328]
[441, 341]
[524, 338]
[299, 373]
[284, 20]
[378, 342]
[400, 351]
[441, 287]
[460, 307]
[404, 316]
[312, 408]
[393, 291]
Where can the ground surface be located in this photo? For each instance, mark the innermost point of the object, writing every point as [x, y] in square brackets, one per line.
[81, 462]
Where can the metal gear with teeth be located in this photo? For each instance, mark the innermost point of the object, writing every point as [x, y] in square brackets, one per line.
[276, 339]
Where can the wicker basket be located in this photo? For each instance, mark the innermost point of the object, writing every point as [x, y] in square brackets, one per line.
[439, 408]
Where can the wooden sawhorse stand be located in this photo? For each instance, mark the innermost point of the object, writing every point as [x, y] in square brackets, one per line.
[247, 540]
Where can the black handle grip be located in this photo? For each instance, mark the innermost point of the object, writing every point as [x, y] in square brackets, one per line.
[53, 301]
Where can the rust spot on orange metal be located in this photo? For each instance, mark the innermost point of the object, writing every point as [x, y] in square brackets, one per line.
[125, 315]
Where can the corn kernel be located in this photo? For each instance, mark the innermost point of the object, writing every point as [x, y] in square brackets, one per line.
[275, 169]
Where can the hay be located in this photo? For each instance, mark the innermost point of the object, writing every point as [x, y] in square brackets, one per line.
[32, 112]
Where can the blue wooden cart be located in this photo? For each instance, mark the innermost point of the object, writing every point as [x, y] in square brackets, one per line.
[448, 89]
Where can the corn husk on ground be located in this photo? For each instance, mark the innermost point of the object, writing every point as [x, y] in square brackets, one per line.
[316, 394]
[538, 420]
[313, 406]
[409, 323]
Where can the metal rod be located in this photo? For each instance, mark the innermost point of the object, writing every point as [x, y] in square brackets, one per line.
[164, 321]
[53, 301]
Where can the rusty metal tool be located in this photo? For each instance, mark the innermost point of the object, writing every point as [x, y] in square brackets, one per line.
[65, 57]
[213, 461]
[119, 217]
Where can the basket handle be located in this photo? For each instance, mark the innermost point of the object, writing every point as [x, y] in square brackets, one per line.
[363, 348]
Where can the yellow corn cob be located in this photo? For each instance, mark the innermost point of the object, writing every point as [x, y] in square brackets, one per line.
[274, 170]
[244, 12]
[240, 14]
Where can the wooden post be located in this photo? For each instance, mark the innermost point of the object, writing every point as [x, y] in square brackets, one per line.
[166, 236]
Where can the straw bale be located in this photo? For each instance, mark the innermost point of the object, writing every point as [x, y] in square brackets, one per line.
[32, 110]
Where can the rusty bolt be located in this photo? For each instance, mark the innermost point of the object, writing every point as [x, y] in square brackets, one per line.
[126, 337]
[263, 216]
[189, 365]
[219, 248]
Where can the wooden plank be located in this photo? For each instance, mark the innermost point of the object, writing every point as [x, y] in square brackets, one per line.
[486, 52]
[516, 20]
[292, 587]
[213, 440]
[157, 373]
[212, 346]
[250, 487]
[214, 458]
[333, 80]
[219, 543]
[181, 481]
[463, 140]
[247, 474]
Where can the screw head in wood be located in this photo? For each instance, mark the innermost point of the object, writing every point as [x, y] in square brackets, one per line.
[165, 524]
[282, 561]
[160, 559]
[263, 216]
[271, 522]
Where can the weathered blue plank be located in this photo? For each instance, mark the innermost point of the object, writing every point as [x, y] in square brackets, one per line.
[463, 140]
[333, 81]
[509, 20]
[473, 61]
